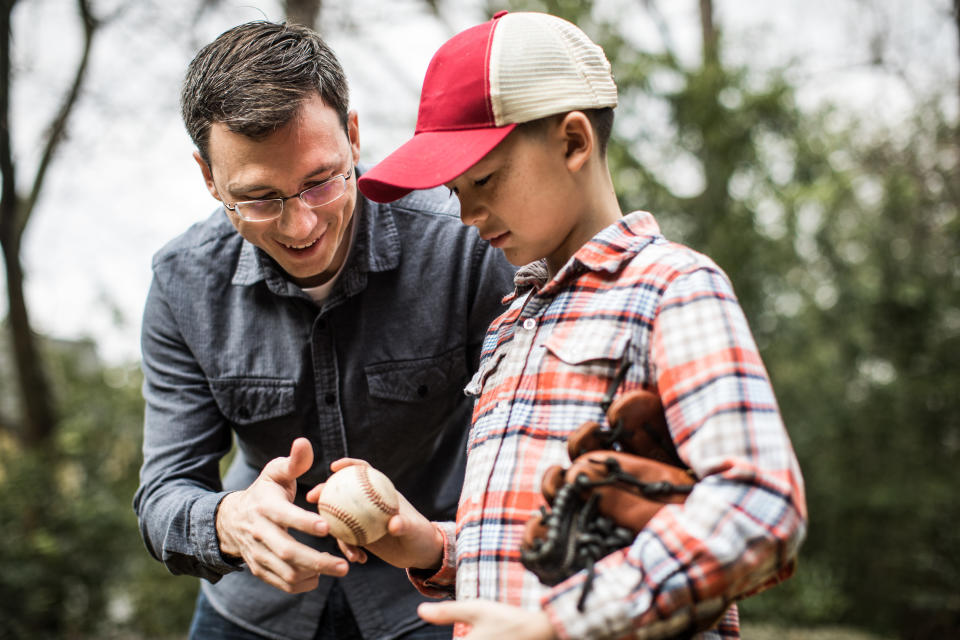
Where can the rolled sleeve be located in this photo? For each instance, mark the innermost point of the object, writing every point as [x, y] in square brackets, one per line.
[440, 583]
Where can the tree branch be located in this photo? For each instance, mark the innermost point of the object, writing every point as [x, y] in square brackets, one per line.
[8, 195]
[58, 125]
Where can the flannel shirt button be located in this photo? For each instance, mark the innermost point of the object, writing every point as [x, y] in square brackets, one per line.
[529, 324]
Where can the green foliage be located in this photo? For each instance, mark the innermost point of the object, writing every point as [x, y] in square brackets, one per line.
[74, 565]
[875, 339]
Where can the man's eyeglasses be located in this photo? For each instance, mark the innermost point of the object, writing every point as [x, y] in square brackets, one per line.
[271, 209]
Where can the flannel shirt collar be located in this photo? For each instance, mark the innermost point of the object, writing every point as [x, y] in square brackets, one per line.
[606, 251]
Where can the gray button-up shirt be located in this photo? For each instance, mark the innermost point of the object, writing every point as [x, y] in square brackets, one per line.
[234, 351]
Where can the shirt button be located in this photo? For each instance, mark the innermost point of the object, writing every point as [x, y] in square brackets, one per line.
[529, 324]
[330, 398]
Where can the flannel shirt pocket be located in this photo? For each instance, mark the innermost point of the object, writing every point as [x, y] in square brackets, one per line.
[583, 357]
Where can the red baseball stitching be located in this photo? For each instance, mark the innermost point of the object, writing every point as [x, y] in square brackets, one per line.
[352, 523]
[373, 495]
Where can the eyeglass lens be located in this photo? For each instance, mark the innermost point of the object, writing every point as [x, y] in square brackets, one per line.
[321, 194]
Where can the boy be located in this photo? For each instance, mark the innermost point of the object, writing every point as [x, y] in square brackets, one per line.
[514, 118]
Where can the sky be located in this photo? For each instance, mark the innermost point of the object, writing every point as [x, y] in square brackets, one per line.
[124, 182]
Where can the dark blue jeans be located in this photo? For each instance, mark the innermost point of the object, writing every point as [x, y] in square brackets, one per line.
[336, 623]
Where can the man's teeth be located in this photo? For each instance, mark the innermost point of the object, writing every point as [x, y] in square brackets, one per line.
[301, 246]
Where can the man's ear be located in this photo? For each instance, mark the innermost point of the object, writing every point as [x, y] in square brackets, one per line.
[578, 138]
[353, 133]
[207, 175]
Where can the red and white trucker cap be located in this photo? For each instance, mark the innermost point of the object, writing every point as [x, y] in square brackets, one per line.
[480, 84]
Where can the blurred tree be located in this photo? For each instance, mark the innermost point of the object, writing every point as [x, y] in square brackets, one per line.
[38, 419]
[73, 564]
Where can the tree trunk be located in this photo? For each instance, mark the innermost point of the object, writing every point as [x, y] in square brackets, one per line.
[709, 32]
[38, 414]
[956, 22]
[37, 401]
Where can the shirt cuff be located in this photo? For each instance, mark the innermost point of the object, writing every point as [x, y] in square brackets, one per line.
[442, 582]
[205, 540]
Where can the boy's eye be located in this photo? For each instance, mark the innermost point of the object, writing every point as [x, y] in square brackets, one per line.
[482, 181]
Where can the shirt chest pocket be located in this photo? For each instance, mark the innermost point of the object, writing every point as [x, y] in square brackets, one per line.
[585, 356]
[246, 401]
[417, 380]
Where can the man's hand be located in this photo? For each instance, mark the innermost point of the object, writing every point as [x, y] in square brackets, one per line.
[253, 523]
[411, 539]
[490, 620]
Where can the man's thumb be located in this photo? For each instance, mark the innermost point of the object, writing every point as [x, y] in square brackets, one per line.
[300, 459]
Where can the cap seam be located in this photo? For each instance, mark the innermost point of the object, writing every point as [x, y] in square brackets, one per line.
[488, 102]
[566, 45]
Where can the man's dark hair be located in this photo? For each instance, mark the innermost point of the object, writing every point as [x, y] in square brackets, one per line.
[254, 78]
[600, 119]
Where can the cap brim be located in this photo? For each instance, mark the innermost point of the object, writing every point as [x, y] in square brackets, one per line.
[429, 159]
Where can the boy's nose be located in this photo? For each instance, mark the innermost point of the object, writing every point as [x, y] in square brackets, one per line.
[470, 214]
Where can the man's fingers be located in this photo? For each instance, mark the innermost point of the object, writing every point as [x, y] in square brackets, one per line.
[286, 470]
[286, 515]
[301, 457]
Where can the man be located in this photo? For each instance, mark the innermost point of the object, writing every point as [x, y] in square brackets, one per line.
[305, 323]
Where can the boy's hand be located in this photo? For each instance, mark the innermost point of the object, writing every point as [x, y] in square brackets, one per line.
[412, 541]
[490, 620]
[252, 524]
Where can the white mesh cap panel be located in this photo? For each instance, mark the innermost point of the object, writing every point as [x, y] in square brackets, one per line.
[541, 65]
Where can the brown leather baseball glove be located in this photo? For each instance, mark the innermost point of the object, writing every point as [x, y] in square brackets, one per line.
[620, 477]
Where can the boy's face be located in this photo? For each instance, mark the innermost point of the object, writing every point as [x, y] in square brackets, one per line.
[523, 199]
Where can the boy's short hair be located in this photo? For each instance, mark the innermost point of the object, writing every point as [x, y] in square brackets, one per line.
[600, 119]
[482, 83]
[254, 78]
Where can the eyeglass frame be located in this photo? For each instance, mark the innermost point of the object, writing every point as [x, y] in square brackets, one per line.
[346, 177]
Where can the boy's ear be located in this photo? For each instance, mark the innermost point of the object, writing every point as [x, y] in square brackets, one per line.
[578, 138]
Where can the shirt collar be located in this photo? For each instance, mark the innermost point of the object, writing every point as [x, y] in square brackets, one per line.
[606, 251]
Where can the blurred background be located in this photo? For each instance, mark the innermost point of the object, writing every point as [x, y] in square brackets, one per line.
[811, 148]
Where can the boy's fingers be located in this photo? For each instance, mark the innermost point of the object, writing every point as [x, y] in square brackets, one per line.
[351, 552]
[448, 612]
[336, 465]
[397, 525]
[314, 494]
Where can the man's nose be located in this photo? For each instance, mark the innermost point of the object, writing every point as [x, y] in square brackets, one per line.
[297, 219]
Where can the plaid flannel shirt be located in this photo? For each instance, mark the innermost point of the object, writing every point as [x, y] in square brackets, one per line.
[628, 294]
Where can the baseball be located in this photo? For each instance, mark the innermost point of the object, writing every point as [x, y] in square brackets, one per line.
[358, 502]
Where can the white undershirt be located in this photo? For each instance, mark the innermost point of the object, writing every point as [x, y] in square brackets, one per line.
[321, 292]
